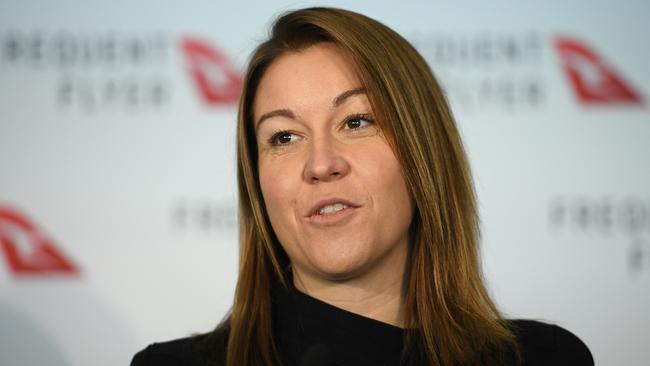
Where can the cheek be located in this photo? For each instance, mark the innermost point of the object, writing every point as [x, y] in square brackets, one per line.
[278, 190]
[386, 183]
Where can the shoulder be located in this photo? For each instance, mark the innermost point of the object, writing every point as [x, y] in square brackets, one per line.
[549, 344]
[199, 350]
[178, 352]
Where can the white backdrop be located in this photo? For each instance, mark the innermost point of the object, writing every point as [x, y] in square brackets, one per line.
[117, 171]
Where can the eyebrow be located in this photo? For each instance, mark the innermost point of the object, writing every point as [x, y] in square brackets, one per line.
[289, 114]
[346, 94]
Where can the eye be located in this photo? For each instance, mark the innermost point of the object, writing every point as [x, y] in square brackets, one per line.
[282, 138]
[358, 121]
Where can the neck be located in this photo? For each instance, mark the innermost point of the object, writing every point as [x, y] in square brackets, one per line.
[378, 296]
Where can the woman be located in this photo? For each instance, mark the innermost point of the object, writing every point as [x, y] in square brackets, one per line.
[358, 222]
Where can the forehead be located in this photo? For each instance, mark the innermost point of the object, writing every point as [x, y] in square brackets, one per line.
[310, 77]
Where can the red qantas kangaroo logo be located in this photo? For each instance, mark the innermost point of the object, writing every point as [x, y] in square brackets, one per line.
[593, 80]
[218, 82]
[27, 250]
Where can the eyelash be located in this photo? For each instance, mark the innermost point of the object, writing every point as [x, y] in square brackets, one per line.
[273, 140]
[363, 116]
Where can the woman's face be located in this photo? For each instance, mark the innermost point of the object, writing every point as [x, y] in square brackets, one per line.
[333, 188]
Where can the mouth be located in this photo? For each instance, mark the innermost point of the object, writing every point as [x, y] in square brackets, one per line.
[330, 207]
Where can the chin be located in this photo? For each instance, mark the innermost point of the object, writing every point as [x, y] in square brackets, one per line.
[339, 269]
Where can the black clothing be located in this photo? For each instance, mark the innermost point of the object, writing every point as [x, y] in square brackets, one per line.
[309, 332]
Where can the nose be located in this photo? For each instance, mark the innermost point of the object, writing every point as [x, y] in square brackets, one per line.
[325, 161]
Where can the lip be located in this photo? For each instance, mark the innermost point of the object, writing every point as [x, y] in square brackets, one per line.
[313, 211]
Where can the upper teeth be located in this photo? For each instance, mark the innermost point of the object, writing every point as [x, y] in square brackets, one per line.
[332, 208]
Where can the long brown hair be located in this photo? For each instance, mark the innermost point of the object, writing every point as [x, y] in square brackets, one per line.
[449, 314]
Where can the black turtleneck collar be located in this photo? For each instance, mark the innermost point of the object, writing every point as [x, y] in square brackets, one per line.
[310, 332]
